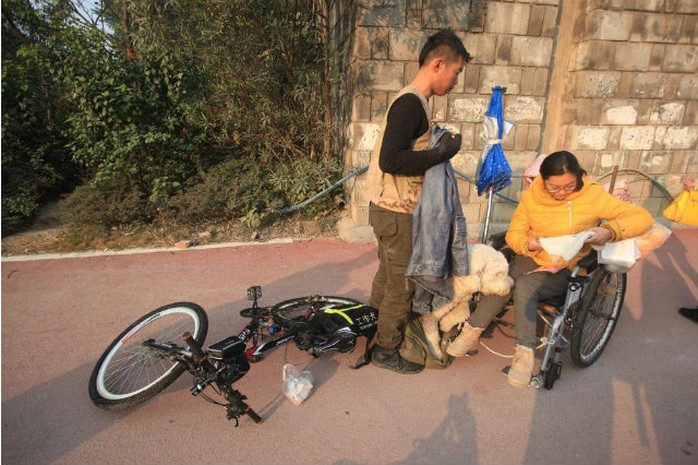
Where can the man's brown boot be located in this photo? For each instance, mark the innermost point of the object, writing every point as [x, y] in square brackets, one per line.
[466, 341]
[522, 366]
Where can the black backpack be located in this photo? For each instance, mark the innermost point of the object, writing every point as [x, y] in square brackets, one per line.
[338, 328]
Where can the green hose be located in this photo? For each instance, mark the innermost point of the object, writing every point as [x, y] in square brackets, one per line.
[467, 178]
[361, 170]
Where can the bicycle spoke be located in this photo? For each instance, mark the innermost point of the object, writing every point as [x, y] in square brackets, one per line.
[597, 321]
[131, 371]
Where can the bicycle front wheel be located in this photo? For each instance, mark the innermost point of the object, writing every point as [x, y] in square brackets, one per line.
[597, 316]
[290, 312]
[129, 371]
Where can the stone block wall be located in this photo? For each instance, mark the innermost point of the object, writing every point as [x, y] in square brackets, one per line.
[614, 81]
[627, 90]
[512, 44]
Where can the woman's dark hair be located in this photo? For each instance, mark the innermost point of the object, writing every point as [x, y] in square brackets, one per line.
[562, 162]
[442, 43]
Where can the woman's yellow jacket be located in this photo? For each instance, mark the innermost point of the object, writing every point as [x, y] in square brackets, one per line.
[539, 214]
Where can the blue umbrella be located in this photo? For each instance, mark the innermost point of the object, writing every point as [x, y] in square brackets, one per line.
[494, 172]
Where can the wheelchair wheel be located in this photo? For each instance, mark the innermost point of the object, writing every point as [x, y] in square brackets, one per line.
[596, 316]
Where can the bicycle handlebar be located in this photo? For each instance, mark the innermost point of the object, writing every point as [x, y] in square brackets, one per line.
[196, 352]
[252, 414]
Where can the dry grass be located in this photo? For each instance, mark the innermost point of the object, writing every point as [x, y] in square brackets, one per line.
[50, 235]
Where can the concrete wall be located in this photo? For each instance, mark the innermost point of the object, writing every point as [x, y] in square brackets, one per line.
[625, 90]
[613, 81]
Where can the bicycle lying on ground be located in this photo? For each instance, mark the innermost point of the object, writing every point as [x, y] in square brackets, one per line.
[157, 348]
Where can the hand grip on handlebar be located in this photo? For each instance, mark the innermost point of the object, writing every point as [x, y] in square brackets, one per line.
[196, 351]
[253, 415]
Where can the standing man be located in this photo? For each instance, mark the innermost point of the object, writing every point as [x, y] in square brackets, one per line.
[399, 161]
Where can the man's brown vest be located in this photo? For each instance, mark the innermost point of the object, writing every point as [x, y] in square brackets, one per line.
[395, 192]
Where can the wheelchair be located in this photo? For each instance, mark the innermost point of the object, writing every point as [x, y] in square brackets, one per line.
[582, 320]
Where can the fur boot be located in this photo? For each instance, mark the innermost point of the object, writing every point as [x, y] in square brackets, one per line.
[522, 366]
[466, 341]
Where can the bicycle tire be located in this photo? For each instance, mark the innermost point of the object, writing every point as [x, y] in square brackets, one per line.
[597, 316]
[290, 312]
[128, 372]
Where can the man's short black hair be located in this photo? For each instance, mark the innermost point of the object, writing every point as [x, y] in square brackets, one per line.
[442, 43]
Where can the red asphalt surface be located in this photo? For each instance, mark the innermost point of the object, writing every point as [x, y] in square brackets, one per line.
[638, 404]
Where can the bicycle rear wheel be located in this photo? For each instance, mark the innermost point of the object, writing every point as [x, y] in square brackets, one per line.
[290, 312]
[597, 316]
[129, 372]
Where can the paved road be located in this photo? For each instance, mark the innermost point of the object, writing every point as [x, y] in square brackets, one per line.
[637, 404]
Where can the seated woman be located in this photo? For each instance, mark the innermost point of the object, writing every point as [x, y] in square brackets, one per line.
[561, 201]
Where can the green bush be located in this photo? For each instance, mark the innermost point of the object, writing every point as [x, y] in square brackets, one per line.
[228, 190]
[239, 188]
[185, 111]
[129, 121]
[36, 165]
[112, 204]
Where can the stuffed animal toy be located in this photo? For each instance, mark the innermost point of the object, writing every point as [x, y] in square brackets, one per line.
[489, 274]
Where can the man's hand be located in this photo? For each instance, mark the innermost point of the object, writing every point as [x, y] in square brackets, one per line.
[448, 145]
[600, 237]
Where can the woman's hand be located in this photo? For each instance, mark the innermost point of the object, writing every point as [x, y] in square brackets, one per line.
[600, 237]
[533, 244]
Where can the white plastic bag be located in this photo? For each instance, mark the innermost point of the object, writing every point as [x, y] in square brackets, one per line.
[564, 247]
[296, 386]
[619, 256]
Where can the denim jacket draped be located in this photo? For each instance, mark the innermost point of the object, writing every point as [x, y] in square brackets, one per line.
[439, 231]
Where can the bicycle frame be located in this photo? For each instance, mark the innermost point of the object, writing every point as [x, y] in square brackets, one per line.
[260, 318]
[253, 331]
[226, 361]
[133, 369]
[207, 369]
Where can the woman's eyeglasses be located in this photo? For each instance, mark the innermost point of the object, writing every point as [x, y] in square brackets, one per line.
[555, 189]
